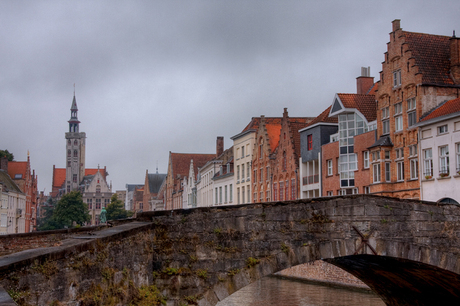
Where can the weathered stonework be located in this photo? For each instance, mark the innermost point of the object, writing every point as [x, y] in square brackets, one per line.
[200, 256]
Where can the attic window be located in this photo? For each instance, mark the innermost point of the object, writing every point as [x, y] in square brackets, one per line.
[18, 176]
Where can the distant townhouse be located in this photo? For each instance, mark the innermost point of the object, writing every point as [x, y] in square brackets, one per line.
[12, 206]
[243, 156]
[129, 201]
[121, 195]
[345, 160]
[138, 199]
[419, 72]
[178, 174]
[316, 134]
[223, 179]
[439, 134]
[285, 161]
[152, 185]
[24, 177]
[96, 193]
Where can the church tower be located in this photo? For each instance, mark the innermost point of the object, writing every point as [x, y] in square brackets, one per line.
[75, 151]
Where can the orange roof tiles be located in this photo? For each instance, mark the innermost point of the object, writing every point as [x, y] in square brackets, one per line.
[59, 175]
[364, 103]
[324, 117]
[17, 167]
[273, 133]
[446, 108]
[432, 56]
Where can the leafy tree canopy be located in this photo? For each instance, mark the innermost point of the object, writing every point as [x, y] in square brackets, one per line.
[5, 153]
[116, 210]
[68, 210]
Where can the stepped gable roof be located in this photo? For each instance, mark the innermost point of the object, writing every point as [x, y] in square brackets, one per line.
[443, 109]
[59, 175]
[295, 127]
[364, 103]
[181, 162]
[17, 167]
[374, 89]
[432, 56]
[324, 117]
[155, 180]
[9, 183]
[255, 122]
[273, 127]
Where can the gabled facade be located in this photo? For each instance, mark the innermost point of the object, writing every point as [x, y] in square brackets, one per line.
[285, 160]
[243, 156]
[439, 134]
[96, 194]
[266, 142]
[419, 72]
[26, 180]
[12, 206]
[223, 179]
[153, 182]
[345, 161]
[178, 170]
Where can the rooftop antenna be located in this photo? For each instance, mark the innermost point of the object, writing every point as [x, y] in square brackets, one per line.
[453, 35]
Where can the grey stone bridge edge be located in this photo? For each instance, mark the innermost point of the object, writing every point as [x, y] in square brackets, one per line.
[203, 255]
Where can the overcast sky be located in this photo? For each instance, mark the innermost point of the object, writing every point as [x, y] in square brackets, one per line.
[159, 76]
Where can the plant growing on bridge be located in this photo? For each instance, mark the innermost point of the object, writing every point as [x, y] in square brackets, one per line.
[217, 231]
[232, 272]
[171, 271]
[251, 262]
[201, 273]
[285, 248]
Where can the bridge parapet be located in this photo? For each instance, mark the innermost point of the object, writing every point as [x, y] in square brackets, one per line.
[203, 255]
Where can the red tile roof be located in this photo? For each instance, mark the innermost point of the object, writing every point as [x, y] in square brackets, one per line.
[17, 167]
[273, 132]
[446, 108]
[364, 103]
[432, 56]
[324, 117]
[181, 162]
[60, 174]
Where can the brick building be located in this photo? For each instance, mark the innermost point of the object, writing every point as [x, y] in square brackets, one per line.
[419, 72]
[345, 161]
[24, 177]
[285, 160]
[178, 170]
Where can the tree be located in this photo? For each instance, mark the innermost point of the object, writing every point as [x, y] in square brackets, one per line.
[5, 153]
[116, 210]
[68, 210]
[44, 223]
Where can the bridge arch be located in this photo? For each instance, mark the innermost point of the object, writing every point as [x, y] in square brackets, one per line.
[205, 254]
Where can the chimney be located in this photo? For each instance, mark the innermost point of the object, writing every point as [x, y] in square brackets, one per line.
[4, 163]
[364, 82]
[219, 146]
[455, 58]
[396, 24]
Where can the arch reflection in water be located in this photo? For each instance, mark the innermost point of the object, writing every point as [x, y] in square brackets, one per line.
[277, 291]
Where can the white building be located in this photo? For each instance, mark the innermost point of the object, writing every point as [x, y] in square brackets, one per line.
[97, 194]
[12, 206]
[439, 134]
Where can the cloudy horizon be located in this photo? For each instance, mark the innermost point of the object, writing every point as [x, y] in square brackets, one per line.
[158, 76]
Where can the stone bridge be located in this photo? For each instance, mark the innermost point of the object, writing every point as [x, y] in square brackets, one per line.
[407, 251]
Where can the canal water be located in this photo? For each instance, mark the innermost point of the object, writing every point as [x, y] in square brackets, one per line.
[277, 291]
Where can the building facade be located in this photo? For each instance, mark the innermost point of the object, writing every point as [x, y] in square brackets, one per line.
[439, 151]
[419, 72]
[12, 206]
[152, 185]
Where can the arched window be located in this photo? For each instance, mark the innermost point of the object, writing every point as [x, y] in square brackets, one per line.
[98, 189]
[69, 153]
[75, 142]
[68, 142]
[75, 153]
[448, 201]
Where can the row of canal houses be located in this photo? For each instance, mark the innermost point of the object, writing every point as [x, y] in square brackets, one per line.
[398, 137]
